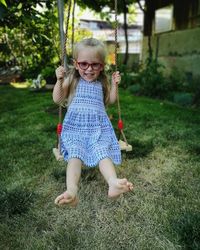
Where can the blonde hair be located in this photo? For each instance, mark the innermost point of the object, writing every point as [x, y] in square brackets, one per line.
[73, 74]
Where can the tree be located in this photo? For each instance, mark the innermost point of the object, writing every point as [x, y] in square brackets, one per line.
[122, 8]
[147, 2]
[27, 34]
[14, 12]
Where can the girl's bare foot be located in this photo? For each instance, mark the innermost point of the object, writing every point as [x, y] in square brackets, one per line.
[119, 186]
[66, 198]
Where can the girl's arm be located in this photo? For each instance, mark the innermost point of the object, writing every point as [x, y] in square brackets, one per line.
[116, 78]
[61, 87]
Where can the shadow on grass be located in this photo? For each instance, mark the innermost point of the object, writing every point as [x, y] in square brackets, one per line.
[39, 91]
[140, 149]
[50, 129]
[59, 174]
[193, 149]
[15, 202]
[87, 174]
[187, 227]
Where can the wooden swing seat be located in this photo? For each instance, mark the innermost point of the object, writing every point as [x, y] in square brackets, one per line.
[125, 146]
[57, 154]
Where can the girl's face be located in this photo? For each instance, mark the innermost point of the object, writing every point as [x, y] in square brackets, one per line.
[89, 64]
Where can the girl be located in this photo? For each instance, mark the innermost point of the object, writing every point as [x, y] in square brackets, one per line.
[87, 135]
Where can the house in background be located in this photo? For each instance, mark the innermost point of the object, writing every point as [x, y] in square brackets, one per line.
[104, 31]
[174, 27]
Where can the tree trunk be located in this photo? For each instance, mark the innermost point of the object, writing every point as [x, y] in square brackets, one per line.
[150, 50]
[148, 22]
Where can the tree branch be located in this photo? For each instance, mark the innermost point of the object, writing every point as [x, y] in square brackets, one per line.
[140, 5]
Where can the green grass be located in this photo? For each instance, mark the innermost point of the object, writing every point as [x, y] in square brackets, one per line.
[162, 212]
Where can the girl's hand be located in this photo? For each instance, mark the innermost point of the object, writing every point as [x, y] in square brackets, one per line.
[60, 73]
[116, 78]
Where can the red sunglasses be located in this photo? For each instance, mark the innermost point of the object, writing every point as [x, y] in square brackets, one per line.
[86, 65]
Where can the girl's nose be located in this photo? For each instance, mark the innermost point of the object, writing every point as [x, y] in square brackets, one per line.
[90, 67]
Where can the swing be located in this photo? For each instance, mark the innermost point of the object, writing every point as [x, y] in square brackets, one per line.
[124, 146]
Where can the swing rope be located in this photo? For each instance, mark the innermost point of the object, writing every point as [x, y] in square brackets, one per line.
[120, 122]
[73, 13]
[63, 55]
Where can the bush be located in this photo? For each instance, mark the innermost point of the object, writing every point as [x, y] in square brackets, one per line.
[195, 88]
[184, 90]
[135, 89]
[196, 100]
[175, 81]
[48, 74]
[183, 99]
[127, 78]
[152, 81]
[31, 72]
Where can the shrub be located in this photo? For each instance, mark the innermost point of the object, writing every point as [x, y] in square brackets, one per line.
[183, 99]
[127, 78]
[152, 81]
[135, 89]
[196, 100]
[195, 88]
[175, 81]
[48, 74]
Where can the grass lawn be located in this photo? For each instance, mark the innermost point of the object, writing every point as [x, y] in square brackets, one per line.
[163, 212]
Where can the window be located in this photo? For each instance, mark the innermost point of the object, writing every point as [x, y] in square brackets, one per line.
[164, 19]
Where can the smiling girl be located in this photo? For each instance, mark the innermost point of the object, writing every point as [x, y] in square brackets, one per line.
[88, 136]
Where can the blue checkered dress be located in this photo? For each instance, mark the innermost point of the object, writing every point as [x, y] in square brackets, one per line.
[87, 132]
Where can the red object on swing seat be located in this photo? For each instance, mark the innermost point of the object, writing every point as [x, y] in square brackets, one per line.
[59, 128]
[120, 124]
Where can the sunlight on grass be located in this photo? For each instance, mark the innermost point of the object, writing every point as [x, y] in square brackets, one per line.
[20, 85]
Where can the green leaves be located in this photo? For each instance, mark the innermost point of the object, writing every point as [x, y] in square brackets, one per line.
[3, 2]
[19, 6]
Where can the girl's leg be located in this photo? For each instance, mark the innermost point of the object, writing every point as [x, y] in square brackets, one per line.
[116, 186]
[73, 174]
